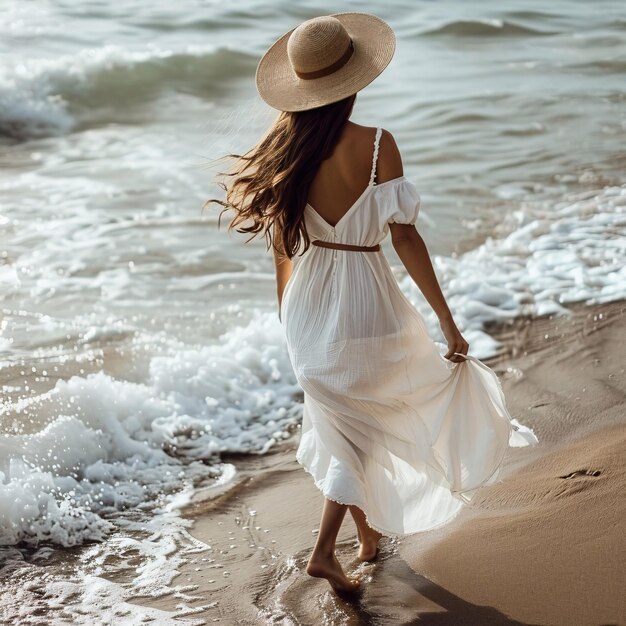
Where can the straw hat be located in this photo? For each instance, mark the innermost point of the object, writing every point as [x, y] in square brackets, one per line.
[323, 60]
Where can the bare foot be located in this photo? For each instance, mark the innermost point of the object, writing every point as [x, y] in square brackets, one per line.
[330, 569]
[368, 545]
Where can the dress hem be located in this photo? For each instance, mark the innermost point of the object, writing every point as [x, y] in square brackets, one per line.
[457, 494]
[386, 533]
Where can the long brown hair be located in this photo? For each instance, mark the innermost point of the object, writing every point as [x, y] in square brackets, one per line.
[270, 183]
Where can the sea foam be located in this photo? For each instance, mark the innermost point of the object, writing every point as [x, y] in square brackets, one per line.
[554, 254]
[112, 445]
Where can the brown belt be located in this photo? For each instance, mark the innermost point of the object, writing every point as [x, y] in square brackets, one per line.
[345, 246]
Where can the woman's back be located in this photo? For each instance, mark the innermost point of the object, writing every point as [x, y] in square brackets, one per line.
[341, 178]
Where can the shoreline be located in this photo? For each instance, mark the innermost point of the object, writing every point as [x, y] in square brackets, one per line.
[541, 545]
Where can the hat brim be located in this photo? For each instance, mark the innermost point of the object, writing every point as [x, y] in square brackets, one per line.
[279, 86]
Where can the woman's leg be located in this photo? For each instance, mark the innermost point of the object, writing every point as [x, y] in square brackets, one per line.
[368, 537]
[323, 562]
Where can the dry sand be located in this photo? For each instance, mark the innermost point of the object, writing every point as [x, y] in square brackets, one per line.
[545, 545]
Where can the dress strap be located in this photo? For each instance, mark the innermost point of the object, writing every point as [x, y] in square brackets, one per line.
[379, 131]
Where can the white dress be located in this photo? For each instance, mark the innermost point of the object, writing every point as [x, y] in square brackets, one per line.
[389, 424]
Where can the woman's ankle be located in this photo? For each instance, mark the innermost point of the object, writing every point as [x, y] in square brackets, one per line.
[323, 553]
[370, 534]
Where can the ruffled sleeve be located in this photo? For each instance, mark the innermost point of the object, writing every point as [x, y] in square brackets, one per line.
[399, 201]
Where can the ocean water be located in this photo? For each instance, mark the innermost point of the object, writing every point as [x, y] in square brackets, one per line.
[138, 343]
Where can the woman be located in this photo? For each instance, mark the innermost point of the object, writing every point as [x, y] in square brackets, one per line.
[393, 431]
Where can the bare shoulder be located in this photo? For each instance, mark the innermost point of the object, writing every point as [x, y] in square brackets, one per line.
[360, 141]
[389, 164]
[359, 134]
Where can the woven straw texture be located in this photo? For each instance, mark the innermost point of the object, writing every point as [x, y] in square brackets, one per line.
[279, 85]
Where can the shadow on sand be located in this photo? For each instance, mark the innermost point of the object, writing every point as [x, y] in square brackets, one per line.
[455, 611]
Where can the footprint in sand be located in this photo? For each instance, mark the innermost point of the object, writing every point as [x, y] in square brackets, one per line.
[582, 472]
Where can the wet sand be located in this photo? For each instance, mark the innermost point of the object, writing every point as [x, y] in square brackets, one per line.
[544, 545]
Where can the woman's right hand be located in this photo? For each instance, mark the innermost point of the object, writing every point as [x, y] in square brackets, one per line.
[456, 341]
